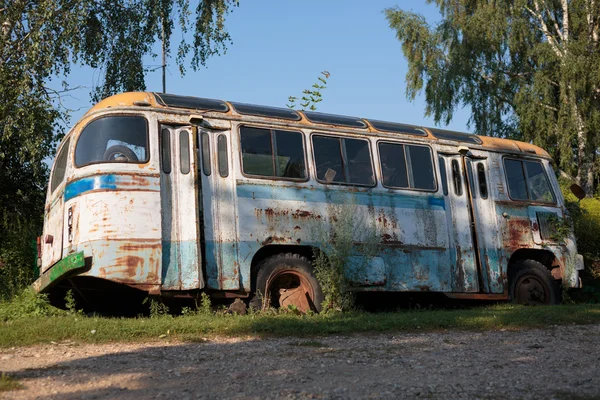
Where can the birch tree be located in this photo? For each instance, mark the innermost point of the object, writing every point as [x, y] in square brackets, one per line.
[528, 69]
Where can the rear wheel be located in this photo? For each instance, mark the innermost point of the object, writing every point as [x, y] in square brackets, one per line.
[286, 280]
[532, 284]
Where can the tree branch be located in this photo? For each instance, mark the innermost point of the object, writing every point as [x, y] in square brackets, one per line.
[544, 29]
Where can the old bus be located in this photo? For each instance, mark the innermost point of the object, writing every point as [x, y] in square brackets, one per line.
[177, 195]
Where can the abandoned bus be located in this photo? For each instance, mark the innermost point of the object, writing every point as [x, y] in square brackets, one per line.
[177, 195]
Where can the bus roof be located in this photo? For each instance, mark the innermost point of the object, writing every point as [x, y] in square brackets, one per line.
[198, 104]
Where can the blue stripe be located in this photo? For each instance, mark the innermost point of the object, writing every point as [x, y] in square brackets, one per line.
[315, 194]
[111, 182]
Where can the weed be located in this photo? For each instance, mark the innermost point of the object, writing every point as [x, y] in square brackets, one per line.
[71, 303]
[8, 383]
[158, 309]
[205, 305]
[27, 304]
[347, 249]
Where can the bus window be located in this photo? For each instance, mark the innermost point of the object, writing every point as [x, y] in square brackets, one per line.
[184, 152]
[165, 150]
[343, 160]
[483, 190]
[222, 155]
[443, 177]
[206, 153]
[61, 165]
[528, 181]
[456, 178]
[122, 139]
[272, 153]
[406, 166]
[537, 182]
[421, 167]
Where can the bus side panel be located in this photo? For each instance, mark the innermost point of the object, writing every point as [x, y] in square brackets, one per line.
[410, 228]
[120, 230]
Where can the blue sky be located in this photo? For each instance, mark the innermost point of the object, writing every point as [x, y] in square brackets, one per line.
[280, 47]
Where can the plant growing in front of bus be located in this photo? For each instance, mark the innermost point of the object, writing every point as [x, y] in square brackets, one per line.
[156, 307]
[349, 234]
[71, 303]
[205, 307]
[311, 97]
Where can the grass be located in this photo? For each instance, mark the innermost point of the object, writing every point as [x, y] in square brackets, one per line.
[44, 329]
[8, 383]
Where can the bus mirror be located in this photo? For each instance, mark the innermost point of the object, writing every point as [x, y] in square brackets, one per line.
[577, 191]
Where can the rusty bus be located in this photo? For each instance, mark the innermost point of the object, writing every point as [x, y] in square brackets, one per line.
[183, 195]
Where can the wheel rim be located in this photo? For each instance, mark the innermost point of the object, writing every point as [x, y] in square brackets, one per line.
[288, 288]
[531, 290]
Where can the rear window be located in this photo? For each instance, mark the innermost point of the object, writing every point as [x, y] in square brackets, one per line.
[406, 166]
[528, 181]
[114, 139]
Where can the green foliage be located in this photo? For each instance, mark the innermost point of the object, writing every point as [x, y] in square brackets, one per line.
[338, 248]
[311, 97]
[27, 304]
[528, 70]
[197, 328]
[205, 304]
[40, 41]
[157, 308]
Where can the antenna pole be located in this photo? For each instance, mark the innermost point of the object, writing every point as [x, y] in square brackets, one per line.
[164, 58]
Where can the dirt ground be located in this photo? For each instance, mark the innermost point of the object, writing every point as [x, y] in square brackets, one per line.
[556, 362]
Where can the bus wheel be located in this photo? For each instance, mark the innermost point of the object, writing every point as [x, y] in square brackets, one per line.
[287, 281]
[532, 284]
[120, 153]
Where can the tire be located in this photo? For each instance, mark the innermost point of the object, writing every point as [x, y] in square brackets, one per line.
[532, 284]
[285, 280]
[117, 152]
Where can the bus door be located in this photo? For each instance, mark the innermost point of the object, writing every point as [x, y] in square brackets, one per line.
[181, 258]
[485, 226]
[465, 276]
[219, 202]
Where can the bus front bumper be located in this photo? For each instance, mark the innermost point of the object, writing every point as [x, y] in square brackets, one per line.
[59, 271]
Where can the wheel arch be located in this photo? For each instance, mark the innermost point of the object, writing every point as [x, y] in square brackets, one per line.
[543, 256]
[309, 252]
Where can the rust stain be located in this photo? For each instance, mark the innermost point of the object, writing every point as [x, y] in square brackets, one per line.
[305, 214]
[424, 288]
[519, 233]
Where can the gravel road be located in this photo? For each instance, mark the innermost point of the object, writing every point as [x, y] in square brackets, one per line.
[557, 362]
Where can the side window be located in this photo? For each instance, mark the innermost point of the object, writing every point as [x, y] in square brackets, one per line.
[456, 178]
[343, 160]
[205, 153]
[537, 183]
[406, 166]
[528, 181]
[222, 156]
[121, 139]
[60, 166]
[272, 153]
[443, 177]
[483, 190]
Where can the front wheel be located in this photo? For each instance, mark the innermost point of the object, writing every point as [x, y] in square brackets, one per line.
[287, 280]
[532, 284]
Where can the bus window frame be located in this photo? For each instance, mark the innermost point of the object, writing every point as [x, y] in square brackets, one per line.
[128, 114]
[409, 168]
[272, 177]
[338, 136]
[528, 201]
